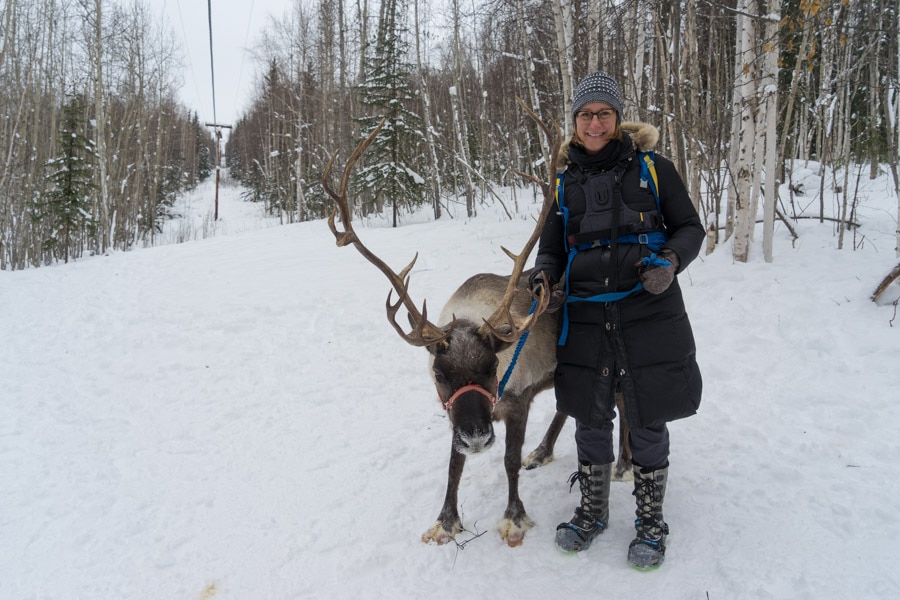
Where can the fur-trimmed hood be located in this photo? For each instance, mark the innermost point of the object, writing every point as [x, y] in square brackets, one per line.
[644, 136]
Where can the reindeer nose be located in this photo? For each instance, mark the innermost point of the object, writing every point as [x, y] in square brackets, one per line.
[473, 442]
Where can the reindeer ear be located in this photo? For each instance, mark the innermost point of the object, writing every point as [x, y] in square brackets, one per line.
[498, 345]
[443, 344]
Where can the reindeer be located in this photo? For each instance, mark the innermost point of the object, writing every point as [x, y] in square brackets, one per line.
[471, 343]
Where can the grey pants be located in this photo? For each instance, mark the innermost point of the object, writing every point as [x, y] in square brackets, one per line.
[649, 446]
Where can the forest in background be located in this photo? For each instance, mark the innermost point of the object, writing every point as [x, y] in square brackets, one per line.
[738, 89]
[94, 144]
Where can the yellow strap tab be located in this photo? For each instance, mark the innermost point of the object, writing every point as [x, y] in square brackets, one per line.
[652, 169]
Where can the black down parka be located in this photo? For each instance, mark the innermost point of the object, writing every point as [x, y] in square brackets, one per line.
[641, 344]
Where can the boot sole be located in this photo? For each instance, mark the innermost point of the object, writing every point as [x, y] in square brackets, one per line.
[573, 537]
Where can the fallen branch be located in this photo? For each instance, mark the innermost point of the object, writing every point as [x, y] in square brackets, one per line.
[787, 224]
[891, 277]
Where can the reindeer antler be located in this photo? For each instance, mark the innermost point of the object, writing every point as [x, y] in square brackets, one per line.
[502, 315]
[424, 333]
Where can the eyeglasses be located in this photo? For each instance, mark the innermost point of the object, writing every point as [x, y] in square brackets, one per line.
[586, 116]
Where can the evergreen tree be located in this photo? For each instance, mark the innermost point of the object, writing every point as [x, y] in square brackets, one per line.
[66, 207]
[389, 174]
[205, 155]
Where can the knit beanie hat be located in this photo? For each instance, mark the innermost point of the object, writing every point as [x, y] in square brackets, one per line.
[597, 87]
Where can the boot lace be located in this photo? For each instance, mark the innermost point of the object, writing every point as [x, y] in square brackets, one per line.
[584, 519]
[579, 477]
[649, 498]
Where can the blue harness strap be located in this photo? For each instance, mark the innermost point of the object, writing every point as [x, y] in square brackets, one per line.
[655, 240]
[515, 358]
[560, 203]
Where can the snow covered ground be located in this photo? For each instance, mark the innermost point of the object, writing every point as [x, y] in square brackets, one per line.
[234, 418]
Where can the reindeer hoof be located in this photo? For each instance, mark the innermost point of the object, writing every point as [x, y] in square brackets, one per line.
[439, 535]
[514, 534]
[538, 458]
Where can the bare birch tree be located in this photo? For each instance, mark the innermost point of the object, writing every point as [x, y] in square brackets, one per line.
[93, 16]
[562, 19]
[743, 133]
[769, 93]
[425, 96]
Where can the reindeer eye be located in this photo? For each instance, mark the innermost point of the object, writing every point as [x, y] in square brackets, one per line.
[438, 376]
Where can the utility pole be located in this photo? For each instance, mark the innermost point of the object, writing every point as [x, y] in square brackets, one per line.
[218, 128]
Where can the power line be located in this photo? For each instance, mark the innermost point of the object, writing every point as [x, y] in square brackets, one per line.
[212, 68]
[237, 88]
[185, 37]
[215, 124]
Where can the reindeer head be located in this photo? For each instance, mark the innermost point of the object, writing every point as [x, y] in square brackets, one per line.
[464, 370]
[464, 351]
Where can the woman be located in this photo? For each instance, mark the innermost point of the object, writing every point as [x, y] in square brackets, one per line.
[615, 250]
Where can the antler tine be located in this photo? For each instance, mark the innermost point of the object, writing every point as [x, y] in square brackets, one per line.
[340, 198]
[519, 327]
[420, 335]
[424, 332]
[503, 315]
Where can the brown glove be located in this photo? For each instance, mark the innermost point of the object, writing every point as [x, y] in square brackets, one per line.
[557, 299]
[536, 282]
[657, 278]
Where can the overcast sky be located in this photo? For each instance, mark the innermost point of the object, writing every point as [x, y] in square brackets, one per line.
[235, 27]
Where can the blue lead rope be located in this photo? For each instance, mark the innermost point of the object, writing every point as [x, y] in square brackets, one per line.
[653, 259]
[515, 357]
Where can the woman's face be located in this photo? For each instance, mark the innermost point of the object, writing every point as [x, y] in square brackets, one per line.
[595, 125]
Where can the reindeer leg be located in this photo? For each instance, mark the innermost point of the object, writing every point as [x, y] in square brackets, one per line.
[543, 454]
[623, 468]
[515, 522]
[448, 523]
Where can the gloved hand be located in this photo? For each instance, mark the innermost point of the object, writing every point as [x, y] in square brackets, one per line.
[536, 281]
[557, 297]
[655, 276]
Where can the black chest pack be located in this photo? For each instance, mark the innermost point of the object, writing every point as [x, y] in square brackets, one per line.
[607, 221]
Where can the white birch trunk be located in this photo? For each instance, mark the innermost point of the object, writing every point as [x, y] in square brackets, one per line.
[594, 19]
[436, 186]
[770, 93]
[692, 60]
[106, 224]
[635, 42]
[459, 113]
[9, 11]
[743, 134]
[529, 76]
[362, 8]
[665, 66]
[299, 199]
[759, 146]
[562, 17]
[842, 118]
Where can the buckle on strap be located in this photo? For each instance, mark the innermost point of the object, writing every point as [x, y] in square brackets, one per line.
[643, 238]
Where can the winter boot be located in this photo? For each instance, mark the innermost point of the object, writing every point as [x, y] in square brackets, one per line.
[648, 549]
[591, 516]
